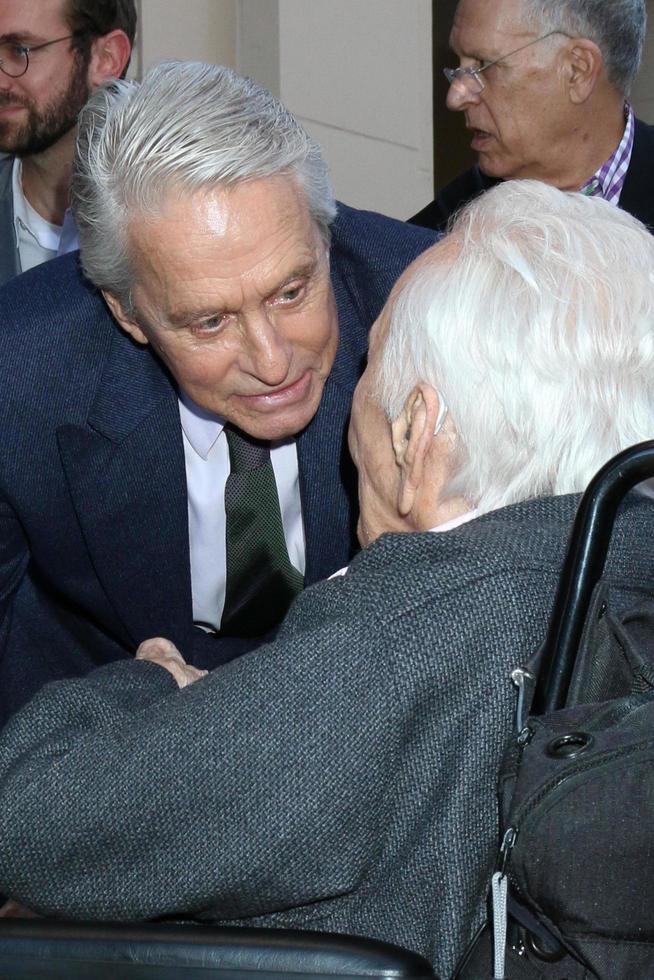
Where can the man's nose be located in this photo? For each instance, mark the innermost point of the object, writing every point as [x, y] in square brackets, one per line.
[460, 95]
[268, 349]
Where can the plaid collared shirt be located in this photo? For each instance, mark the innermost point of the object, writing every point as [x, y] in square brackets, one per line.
[609, 179]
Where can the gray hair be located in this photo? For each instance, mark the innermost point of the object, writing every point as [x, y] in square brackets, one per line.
[617, 27]
[187, 127]
[539, 335]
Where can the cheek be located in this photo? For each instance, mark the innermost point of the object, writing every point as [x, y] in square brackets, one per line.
[202, 367]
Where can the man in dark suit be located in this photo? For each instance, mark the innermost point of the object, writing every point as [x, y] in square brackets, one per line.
[208, 230]
[343, 777]
[544, 87]
[53, 54]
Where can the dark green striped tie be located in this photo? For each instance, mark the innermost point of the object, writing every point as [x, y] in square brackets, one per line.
[260, 580]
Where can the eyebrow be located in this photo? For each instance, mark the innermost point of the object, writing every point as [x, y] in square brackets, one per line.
[304, 271]
[181, 317]
[23, 37]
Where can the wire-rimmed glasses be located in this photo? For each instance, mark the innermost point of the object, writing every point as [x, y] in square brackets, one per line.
[469, 80]
[15, 58]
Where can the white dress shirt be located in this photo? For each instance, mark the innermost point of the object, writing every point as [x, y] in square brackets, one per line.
[207, 468]
[38, 240]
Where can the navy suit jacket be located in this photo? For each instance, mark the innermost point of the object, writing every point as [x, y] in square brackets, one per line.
[94, 550]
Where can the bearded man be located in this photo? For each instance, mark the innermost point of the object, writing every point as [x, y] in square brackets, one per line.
[53, 54]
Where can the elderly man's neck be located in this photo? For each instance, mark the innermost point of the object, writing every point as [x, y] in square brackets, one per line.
[586, 139]
[595, 140]
[590, 144]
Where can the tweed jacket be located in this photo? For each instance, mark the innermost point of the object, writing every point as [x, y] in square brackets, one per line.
[637, 194]
[94, 546]
[340, 778]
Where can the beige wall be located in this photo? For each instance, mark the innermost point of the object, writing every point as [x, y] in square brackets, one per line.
[190, 30]
[356, 72]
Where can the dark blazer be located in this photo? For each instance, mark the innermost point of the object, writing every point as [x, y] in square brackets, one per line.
[637, 194]
[9, 258]
[340, 778]
[94, 552]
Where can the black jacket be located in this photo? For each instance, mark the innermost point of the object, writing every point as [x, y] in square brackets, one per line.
[637, 194]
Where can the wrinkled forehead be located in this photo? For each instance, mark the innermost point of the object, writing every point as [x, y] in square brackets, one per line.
[489, 25]
[249, 221]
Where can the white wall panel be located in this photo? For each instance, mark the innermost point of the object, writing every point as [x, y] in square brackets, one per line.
[188, 30]
[373, 174]
[358, 73]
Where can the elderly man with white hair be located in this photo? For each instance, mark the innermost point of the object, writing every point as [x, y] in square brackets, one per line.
[342, 777]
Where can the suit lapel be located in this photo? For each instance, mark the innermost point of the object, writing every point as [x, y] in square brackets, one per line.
[327, 486]
[9, 266]
[126, 476]
[328, 482]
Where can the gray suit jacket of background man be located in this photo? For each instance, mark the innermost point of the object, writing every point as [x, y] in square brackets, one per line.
[340, 778]
[9, 258]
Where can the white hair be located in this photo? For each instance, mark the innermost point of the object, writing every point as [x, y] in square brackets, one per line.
[618, 27]
[538, 331]
[187, 127]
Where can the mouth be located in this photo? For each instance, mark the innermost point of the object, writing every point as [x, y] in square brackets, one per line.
[289, 395]
[480, 138]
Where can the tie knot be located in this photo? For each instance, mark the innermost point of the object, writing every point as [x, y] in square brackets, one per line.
[245, 452]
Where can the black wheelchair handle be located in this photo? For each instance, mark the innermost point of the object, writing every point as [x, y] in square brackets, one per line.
[583, 567]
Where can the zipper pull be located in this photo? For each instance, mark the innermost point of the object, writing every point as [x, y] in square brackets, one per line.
[499, 889]
[519, 677]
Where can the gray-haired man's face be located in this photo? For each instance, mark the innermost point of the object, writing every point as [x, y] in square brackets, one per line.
[520, 122]
[232, 290]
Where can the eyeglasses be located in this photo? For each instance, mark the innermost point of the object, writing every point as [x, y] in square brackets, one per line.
[469, 80]
[15, 58]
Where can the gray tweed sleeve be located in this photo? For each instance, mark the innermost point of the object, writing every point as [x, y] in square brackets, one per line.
[258, 788]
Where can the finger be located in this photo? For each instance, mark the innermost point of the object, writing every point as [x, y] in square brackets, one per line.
[157, 648]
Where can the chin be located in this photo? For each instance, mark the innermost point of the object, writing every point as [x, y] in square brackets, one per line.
[274, 427]
[498, 169]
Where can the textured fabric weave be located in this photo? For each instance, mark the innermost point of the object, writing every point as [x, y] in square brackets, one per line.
[340, 778]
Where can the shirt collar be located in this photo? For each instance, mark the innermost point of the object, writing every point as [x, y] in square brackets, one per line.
[44, 232]
[456, 521]
[201, 428]
[609, 180]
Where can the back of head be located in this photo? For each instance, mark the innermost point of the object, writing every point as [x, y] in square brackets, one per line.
[535, 320]
[188, 127]
[89, 19]
[617, 27]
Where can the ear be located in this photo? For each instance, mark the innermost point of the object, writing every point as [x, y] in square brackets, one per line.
[413, 435]
[128, 323]
[109, 56]
[583, 67]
